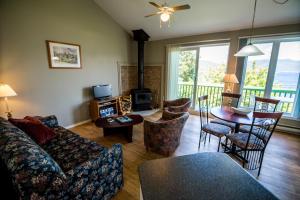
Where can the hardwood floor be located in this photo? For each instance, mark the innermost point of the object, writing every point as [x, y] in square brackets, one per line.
[280, 171]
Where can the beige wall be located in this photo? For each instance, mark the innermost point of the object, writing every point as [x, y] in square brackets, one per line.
[24, 27]
[155, 51]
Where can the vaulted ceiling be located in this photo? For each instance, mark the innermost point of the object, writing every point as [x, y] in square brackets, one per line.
[205, 16]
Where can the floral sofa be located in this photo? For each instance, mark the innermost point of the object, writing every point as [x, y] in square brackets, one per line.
[67, 167]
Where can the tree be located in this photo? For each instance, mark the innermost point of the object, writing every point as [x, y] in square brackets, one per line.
[216, 74]
[256, 75]
[187, 66]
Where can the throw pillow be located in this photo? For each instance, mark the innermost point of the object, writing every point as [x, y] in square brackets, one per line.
[35, 129]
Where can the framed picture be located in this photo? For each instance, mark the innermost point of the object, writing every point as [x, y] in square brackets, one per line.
[63, 55]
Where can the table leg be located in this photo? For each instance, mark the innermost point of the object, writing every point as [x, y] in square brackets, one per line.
[237, 128]
[127, 131]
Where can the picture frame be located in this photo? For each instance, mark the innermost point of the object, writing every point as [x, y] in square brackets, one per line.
[62, 55]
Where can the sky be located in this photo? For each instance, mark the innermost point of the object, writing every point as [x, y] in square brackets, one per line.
[287, 50]
[217, 54]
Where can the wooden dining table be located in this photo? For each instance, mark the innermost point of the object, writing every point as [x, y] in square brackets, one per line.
[226, 113]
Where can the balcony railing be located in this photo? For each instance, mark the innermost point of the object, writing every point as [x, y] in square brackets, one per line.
[214, 93]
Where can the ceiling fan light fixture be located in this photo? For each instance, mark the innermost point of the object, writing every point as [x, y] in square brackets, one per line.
[249, 50]
[164, 17]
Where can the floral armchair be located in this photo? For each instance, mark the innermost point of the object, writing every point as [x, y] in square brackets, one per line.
[163, 136]
[177, 105]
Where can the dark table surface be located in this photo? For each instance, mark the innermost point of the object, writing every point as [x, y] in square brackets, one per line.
[227, 114]
[103, 123]
[209, 176]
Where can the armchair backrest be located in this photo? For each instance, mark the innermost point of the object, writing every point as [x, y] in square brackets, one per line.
[167, 115]
[176, 102]
[163, 136]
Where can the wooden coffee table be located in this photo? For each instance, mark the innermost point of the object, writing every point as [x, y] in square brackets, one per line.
[118, 127]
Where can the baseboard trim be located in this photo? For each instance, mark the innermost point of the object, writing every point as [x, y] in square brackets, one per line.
[288, 129]
[78, 124]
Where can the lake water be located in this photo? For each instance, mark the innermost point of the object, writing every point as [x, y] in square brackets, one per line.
[288, 80]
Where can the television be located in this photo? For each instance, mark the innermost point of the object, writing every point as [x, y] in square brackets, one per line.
[102, 91]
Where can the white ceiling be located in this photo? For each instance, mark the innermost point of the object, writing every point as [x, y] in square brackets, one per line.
[205, 16]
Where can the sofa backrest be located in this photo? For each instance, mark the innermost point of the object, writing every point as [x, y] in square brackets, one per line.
[33, 172]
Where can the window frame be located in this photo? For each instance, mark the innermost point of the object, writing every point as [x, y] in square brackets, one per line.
[276, 41]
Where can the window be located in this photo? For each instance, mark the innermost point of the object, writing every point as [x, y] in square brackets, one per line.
[201, 70]
[275, 74]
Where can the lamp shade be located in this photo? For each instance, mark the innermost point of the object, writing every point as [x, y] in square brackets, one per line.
[249, 50]
[6, 91]
[230, 78]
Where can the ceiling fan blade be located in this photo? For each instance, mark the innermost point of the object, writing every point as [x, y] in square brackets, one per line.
[155, 4]
[182, 7]
[152, 14]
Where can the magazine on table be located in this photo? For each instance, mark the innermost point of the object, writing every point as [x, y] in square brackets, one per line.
[124, 119]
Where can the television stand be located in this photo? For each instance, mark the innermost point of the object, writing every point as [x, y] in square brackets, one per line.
[100, 108]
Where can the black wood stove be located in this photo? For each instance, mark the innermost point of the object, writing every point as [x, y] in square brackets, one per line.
[141, 97]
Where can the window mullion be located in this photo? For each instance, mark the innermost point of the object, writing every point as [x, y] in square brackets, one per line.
[272, 69]
[196, 77]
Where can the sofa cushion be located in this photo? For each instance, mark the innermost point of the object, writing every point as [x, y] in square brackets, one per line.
[70, 150]
[40, 133]
[34, 173]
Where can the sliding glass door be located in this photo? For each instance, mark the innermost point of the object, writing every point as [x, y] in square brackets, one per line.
[255, 76]
[211, 70]
[287, 76]
[188, 61]
[275, 74]
[200, 71]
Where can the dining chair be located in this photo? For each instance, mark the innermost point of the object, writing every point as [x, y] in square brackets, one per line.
[262, 105]
[265, 104]
[215, 129]
[231, 100]
[252, 145]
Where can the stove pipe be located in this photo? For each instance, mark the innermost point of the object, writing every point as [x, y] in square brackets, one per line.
[140, 36]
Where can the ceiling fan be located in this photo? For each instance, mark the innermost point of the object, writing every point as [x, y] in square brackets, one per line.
[165, 11]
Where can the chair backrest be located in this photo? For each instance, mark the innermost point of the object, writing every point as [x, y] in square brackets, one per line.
[265, 104]
[203, 110]
[263, 126]
[230, 99]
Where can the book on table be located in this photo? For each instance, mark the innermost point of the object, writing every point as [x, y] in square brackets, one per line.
[124, 119]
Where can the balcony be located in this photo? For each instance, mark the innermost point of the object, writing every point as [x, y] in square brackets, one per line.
[214, 93]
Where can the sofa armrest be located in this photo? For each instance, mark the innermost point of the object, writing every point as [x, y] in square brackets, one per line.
[98, 178]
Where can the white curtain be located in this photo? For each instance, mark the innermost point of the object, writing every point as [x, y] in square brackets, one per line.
[172, 71]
